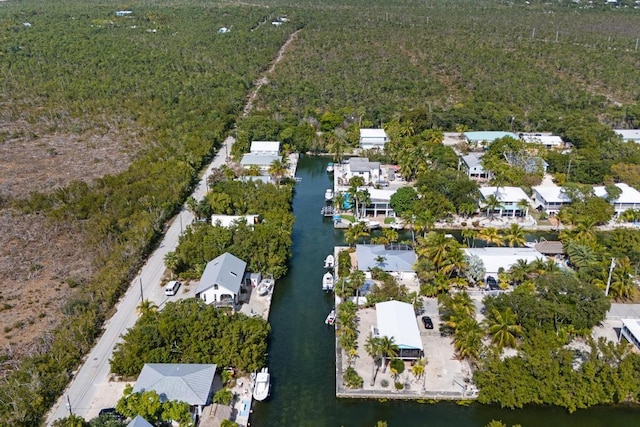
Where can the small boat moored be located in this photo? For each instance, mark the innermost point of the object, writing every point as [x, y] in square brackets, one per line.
[265, 287]
[262, 385]
[327, 282]
[328, 195]
[329, 261]
[330, 167]
[331, 317]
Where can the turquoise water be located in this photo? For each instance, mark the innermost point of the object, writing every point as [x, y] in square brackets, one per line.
[301, 348]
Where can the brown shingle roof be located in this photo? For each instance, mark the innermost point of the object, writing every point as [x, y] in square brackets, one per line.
[550, 248]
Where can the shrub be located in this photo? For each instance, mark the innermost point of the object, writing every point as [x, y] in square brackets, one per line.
[351, 378]
[399, 386]
[384, 383]
[223, 396]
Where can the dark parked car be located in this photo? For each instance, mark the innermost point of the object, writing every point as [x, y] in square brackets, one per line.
[426, 321]
[111, 413]
[492, 283]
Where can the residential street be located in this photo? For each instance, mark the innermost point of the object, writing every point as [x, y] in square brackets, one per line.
[83, 388]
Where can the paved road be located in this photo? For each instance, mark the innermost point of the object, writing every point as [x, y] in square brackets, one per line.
[82, 390]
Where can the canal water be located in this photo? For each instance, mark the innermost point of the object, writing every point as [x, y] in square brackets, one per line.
[301, 348]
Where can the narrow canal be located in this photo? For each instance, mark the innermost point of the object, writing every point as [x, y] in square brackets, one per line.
[301, 350]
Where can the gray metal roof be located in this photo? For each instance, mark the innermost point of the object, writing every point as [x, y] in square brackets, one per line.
[362, 164]
[258, 159]
[138, 421]
[186, 382]
[226, 271]
[472, 159]
[395, 258]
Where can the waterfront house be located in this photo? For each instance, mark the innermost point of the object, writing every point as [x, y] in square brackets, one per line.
[227, 221]
[483, 138]
[373, 139]
[509, 198]
[497, 259]
[397, 320]
[360, 166]
[380, 203]
[549, 198]
[396, 259]
[629, 135]
[261, 155]
[631, 331]
[471, 164]
[221, 281]
[187, 382]
[629, 197]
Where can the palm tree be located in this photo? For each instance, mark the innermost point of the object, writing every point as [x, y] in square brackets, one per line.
[462, 303]
[424, 221]
[338, 200]
[390, 235]
[373, 348]
[388, 350]
[503, 328]
[519, 272]
[277, 170]
[622, 283]
[146, 308]
[580, 255]
[363, 198]
[468, 339]
[355, 232]
[454, 264]
[172, 262]
[418, 368]
[470, 234]
[491, 203]
[354, 183]
[523, 205]
[491, 235]
[514, 236]
[335, 144]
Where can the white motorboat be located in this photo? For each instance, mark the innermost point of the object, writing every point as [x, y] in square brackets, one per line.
[328, 195]
[329, 261]
[330, 168]
[331, 318]
[262, 385]
[373, 225]
[327, 282]
[265, 287]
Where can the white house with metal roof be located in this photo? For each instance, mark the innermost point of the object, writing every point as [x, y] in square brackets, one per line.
[265, 147]
[486, 137]
[629, 197]
[629, 135]
[509, 198]
[359, 166]
[396, 259]
[380, 202]
[397, 320]
[471, 164]
[373, 139]
[227, 221]
[186, 382]
[549, 198]
[631, 331]
[220, 283]
[549, 141]
[495, 259]
[261, 155]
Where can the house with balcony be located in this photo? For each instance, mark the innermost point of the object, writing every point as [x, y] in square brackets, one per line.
[510, 199]
[549, 198]
[547, 140]
[358, 166]
[629, 135]
[373, 139]
[471, 164]
[629, 197]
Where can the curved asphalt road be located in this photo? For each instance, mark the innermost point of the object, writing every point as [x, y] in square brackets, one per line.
[83, 389]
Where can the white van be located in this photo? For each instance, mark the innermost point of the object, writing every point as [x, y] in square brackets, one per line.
[172, 288]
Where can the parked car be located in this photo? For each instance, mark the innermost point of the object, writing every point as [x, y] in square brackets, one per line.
[172, 288]
[111, 413]
[427, 322]
[492, 284]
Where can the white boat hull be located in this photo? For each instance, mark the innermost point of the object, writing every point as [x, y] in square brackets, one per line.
[262, 385]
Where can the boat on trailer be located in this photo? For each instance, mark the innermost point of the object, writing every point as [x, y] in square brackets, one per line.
[327, 282]
[329, 261]
[262, 385]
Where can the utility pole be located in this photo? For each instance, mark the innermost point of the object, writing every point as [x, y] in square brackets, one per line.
[141, 294]
[613, 264]
[69, 405]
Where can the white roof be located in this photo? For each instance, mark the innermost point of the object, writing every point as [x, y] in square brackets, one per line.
[633, 325]
[628, 195]
[494, 258]
[552, 193]
[628, 133]
[229, 220]
[379, 195]
[373, 133]
[504, 194]
[397, 320]
[544, 139]
[265, 146]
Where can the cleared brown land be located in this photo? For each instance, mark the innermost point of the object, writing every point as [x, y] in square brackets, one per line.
[41, 261]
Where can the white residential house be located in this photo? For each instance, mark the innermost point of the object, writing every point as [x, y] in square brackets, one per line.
[549, 198]
[186, 382]
[227, 221]
[631, 331]
[547, 140]
[380, 202]
[373, 139]
[396, 259]
[261, 155]
[397, 320]
[509, 198]
[497, 259]
[221, 281]
[360, 166]
[629, 135]
[629, 198]
[482, 138]
[471, 164]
